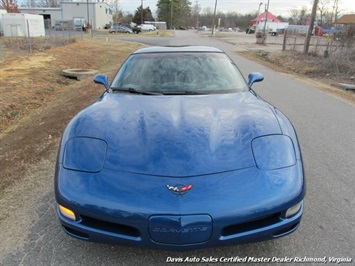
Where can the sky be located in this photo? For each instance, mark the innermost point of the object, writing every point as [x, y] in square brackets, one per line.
[277, 7]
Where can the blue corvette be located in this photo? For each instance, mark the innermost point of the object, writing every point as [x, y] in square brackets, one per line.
[179, 153]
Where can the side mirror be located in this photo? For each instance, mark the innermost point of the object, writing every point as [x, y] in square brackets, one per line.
[255, 77]
[102, 79]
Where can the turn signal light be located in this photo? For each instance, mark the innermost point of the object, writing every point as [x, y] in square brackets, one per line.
[67, 213]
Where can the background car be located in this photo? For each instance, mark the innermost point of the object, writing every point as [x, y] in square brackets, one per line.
[135, 29]
[179, 153]
[121, 29]
[249, 30]
[147, 27]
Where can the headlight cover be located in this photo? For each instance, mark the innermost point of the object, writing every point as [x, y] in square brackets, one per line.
[85, 154]
[273, 152]
[294, 209]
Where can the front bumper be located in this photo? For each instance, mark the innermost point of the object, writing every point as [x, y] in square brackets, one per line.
[100, 231]
[242, 206]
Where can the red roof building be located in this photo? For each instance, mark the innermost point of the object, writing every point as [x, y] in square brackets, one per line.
[346, 19]
[262, 17]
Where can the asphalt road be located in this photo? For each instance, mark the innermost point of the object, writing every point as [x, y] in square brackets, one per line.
[326, 130]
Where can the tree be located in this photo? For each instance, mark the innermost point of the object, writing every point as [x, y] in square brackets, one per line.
[119, 16]
[281, 18]
[116, 11]
[31, 3]
[9, 5]
[299, 17]
[323, 10]
[49, 3]
[245, 20]
[206, 17]
[335, 11]
[174, 12]
[126, 18]
[195, 13]
[184, 13]
[147, 15]
[230, 19]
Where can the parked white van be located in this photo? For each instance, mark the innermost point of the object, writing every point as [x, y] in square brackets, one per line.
[147, 27]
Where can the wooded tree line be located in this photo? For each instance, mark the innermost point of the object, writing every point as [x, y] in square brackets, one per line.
[327, 13]
[11, 6]
[183, 13]
[178, 13]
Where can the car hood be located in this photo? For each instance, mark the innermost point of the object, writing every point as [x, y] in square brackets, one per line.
[176, 136]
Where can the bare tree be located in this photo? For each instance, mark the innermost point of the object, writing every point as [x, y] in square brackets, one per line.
[195, 13]
[116, 11]
[206, 17]
[232, 19]
[9, 5]
[126, 18]
[323, 8]
[31, 3]
[299, 16]
[48, 3]
[335, 11]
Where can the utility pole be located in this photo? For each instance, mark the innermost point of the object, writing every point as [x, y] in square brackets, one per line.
[257, 18]
[214, 17]
[142, 12]
[310, 29]
[87, 11]
[266, 14]
[171, 15]
[196, 5]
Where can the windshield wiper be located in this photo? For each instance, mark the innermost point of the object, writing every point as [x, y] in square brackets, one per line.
[135, 91]
[182, 92]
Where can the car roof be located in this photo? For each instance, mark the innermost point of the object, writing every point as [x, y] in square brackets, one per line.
[174, 49]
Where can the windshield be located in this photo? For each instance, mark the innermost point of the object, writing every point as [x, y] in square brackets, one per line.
[180, 73]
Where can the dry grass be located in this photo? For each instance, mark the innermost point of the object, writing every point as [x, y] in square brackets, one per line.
[37, 102]
[339, 67]
[37, 44]
[30, 81]
[321, 72]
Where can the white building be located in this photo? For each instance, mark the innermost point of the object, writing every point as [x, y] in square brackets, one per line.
[2, 11]
[98, 14]
[22, 25]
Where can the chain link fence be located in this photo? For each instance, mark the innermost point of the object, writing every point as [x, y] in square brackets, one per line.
[59, 34]
[326, 45]
[333, 54]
